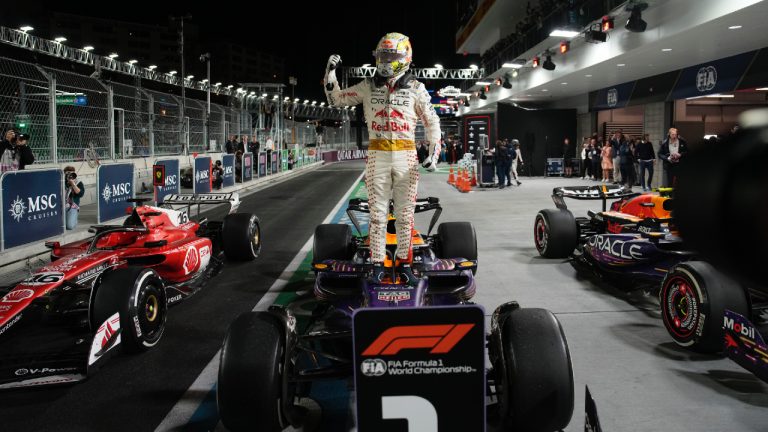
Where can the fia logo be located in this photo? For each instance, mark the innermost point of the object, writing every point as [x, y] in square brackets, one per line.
[613, 97]
[706, 78]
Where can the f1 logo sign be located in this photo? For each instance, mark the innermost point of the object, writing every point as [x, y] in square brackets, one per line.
[417, 411]
[440, 338]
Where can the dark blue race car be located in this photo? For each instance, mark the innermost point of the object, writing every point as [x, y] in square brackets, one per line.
[636, 241]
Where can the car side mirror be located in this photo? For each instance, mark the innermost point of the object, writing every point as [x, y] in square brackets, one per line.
[52, 244]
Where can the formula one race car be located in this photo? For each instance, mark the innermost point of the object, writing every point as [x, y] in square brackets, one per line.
[268, 360]
[115, 287]
[637, 241]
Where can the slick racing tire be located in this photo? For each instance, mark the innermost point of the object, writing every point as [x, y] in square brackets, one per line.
[555, 233]
[532, 397]
[138, 295]
[693, 299]
[457, 240]
[249, 388]
[241, 237]
[332, 242]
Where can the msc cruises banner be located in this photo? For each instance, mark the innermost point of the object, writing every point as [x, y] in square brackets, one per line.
[114, 183]
[202, 180]
[33, 208]
[172, 179]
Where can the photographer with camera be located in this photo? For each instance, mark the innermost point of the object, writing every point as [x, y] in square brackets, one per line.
[14, 152]
[74, 191]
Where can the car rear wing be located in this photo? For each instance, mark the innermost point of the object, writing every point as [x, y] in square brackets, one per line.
[600, 192]
[188, 200]
[422, 205]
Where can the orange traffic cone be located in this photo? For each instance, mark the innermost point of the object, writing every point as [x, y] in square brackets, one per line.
[458, 179]
[474, 177]
[451, 178]
[467, 186]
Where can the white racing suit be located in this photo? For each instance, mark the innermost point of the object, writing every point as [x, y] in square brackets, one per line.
[392, 169]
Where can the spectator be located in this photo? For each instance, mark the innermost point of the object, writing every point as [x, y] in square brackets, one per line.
[217, 175]
[616, 141]
[253, 146]
[74, 191]
[443, 147]
[627, 163]
[422, 152]
[585, 167]
[595, 156]
[606, 155]
[16, 154]
[291, 159]
[238, 166]
[511, 155]
[645, 154]
[230, 146]
[517, 159]
[501, 159]
[671, 151]
[567, 158]
[241, 145]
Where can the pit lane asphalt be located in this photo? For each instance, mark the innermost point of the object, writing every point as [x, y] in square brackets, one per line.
[134, 393]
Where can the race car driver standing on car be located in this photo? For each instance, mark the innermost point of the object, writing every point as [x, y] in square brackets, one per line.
[393, 101]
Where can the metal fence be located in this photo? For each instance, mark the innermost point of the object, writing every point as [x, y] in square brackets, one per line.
[72, 117]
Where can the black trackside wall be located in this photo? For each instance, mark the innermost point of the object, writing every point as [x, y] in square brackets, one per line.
[540, 132]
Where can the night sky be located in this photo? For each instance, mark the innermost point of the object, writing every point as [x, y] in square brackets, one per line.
[305, 34]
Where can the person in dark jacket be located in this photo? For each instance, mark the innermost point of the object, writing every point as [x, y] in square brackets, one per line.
[502, 159]
[567, 158]
[15, 154]
[672, 150]
[626, 164]
[230, 146]
[595, 156]
[647, 157]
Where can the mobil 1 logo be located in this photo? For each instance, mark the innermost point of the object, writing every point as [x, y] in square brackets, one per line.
[420, 369]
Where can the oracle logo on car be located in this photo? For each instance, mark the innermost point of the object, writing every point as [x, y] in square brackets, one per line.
[440, 339]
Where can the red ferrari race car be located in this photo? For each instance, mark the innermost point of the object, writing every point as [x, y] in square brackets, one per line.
[114, 288]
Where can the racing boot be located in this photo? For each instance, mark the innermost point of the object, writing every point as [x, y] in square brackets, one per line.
[378, 273]
[405, 272]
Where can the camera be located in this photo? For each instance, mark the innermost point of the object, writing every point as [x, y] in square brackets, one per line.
[70, 175]
[720, 206]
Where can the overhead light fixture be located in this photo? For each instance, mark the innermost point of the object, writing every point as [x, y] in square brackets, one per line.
[173, 72]
[322, 103]
[473, 67]
[314, 102]
[438, 66]
[762, 89]
[482, 83]
[88, 48]
[189, 77]
[132, 61]
[606, 24]
[252, 93]
[26, 28]
[564, 47]
[724, 96]
[205, 80]
[564, 83]
[588, 76]
[635, 22]
[115, 55]
[544, 90]
[564, 33]
[152, 67]
[666, 49]
[296, 100]
[366, 65]
[60, 39]
[621, 64]
[512, 65]
[217, 84]
[734, 27]
[548, 64]
[514, 73]
[263, 95]
[536, 61]
[507, 84]
[230, 86]
[306, 101]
